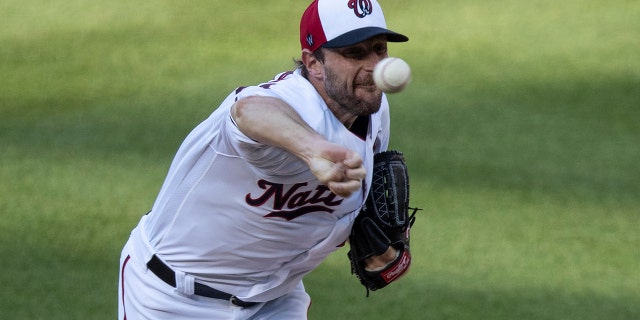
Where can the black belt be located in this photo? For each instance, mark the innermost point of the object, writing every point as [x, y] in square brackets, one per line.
[167, 275]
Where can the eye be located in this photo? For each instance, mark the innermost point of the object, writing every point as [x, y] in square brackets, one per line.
[380, 49]
[354, 53]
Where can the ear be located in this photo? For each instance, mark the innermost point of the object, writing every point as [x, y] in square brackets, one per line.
[315, 67]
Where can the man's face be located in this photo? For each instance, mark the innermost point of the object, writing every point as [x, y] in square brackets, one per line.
[349, 75]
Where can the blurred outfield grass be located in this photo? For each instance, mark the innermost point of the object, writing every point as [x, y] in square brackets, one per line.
[520, 128]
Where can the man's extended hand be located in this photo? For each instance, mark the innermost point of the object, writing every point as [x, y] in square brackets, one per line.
[338, 168]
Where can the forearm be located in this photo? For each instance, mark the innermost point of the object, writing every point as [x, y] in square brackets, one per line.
[271, 121]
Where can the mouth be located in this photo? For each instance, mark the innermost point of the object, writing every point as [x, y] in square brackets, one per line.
[367, 86]
[365, 82]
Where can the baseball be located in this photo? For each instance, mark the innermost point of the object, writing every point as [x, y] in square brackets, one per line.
[391, 74]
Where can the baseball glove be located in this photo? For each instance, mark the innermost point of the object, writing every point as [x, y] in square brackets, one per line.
[383, 221]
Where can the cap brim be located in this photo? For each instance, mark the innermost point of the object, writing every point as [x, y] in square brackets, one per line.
[355, 36]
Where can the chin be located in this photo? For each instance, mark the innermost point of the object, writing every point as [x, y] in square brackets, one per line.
[371, 100]
[367, 109]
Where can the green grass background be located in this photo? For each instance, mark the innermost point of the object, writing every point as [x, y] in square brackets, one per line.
[521, 128]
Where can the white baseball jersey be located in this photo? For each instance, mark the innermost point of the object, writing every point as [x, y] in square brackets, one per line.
[250, 219]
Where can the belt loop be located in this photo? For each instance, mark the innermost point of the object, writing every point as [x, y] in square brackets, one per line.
[185, 284]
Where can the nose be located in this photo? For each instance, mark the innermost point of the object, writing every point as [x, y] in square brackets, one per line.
[371, 61]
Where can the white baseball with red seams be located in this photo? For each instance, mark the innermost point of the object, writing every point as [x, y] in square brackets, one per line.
[392, 74]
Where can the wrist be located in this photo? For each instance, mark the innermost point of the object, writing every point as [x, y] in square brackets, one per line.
[377, 263]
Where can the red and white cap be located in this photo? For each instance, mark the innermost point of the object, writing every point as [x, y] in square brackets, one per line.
[342, 23]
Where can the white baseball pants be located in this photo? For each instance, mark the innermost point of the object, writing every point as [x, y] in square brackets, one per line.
[142, 295]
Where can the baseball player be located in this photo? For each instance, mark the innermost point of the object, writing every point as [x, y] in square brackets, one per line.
[264, 189]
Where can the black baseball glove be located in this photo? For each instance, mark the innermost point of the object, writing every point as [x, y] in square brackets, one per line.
[384, 221]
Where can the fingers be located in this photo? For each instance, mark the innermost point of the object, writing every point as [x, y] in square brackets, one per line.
[340, 169]
[349, 176]
[339, 177]
[352, 160]
[346, 188]
[358, 173]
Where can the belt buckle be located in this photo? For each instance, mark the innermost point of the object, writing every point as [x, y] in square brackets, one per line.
[237, 302]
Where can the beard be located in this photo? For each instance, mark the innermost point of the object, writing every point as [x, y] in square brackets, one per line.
[357, 100]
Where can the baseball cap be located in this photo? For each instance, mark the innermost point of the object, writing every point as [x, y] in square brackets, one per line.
[342, 23]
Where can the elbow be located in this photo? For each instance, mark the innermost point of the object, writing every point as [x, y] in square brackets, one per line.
[244, 109]
[238, 112]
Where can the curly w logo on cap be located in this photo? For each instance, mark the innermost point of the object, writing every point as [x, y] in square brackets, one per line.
[361, 7]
